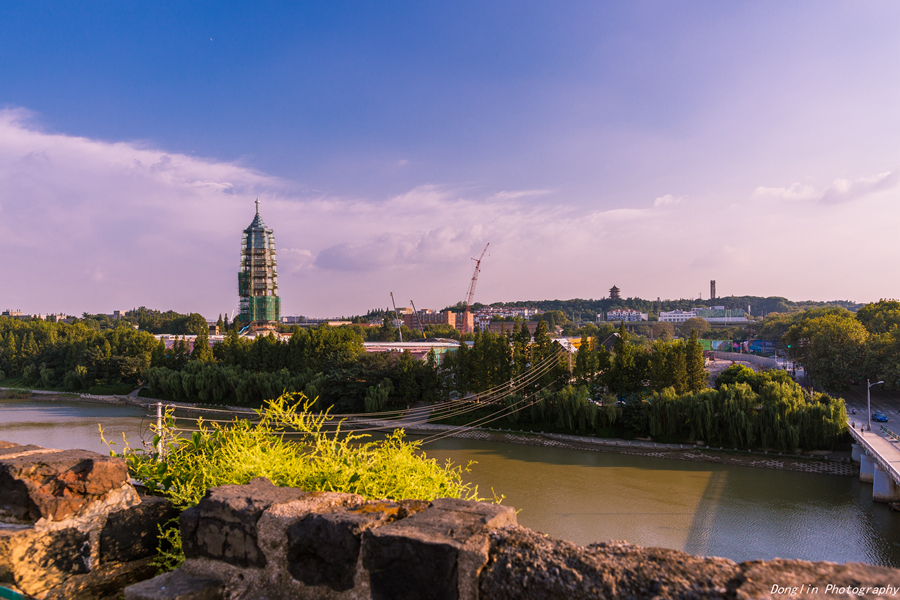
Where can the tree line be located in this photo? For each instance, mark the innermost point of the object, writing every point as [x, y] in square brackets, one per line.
[73, 357]
[838, 348]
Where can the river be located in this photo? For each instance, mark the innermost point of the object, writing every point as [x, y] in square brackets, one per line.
[742, 513]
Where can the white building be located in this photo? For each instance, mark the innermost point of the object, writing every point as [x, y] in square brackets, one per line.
[720, 314]
[484, 316]
[677, 316]
[716, 314]
[622, 314]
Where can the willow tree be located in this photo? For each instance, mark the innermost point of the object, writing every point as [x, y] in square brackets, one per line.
[695, 365]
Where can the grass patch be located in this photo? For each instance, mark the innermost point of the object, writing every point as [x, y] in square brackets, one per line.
[292, 447]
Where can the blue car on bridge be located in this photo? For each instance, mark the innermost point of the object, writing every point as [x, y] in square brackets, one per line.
[880, 417]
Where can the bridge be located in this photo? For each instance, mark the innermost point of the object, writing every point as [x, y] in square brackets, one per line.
[878, 452]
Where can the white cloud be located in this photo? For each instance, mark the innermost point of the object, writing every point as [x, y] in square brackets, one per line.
[504, 195]
[666, 200]
[795, 193]
[87, 225]
[839, 191]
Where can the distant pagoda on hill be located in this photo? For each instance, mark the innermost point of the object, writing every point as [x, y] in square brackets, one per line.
[614, 293]
[260, 306]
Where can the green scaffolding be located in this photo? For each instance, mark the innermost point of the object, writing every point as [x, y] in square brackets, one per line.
[260, 308]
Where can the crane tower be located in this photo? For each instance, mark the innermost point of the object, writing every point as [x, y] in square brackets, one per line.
[471, 295]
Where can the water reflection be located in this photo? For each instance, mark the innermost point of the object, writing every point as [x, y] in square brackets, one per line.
[742, 513]
[70, 424]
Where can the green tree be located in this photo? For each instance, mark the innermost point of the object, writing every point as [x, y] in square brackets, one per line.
[662, 331]
[830, 347]
[629, 366]
[695, 365]
[667, 366]
[697, 324]
[201, 350]
[11, 354]
[880, 317]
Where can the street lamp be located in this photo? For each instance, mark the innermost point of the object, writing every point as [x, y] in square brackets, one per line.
[869, 399]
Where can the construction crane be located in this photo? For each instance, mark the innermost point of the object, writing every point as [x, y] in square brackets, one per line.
[418, 320]
[471, 295]
[397, 316]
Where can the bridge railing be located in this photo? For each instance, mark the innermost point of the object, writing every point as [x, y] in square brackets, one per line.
[890, 434]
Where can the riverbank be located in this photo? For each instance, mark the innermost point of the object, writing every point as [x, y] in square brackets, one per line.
[835, 463]
[50, 395]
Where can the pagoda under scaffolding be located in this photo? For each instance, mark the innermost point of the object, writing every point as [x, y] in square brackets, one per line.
[260, 306]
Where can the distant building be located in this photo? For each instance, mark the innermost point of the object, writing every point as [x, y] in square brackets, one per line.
[484, 316]
[677, 316]
[260, 305]
[614, 293]
[716, 314]
[418, 348]
[625, 315]
[13, 314]
[712, 289]
[720, 314]
[428, 317]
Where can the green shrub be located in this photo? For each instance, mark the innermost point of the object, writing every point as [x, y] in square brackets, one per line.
[291, 446]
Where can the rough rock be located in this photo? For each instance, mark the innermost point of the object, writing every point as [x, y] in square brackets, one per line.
[105, 582]
[105, 542]
[131, 534]
[758, 577]
[529, 566]
[176, 586]
[323, 549]
[223, 524]
[36, 561]
[436, 553]
[37, 483]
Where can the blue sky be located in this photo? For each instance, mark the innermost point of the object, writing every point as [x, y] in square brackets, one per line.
[651, 145]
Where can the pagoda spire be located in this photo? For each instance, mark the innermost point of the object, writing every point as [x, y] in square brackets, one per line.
[257, 206]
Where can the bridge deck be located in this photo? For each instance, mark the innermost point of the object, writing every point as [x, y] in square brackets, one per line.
[884, 448]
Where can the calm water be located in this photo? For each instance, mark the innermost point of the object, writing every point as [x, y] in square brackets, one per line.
[742, 513]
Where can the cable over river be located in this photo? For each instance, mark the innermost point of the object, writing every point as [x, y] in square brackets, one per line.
[738, 512]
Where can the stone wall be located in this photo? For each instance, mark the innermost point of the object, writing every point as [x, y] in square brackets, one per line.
[262, 542]
[72, 526]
